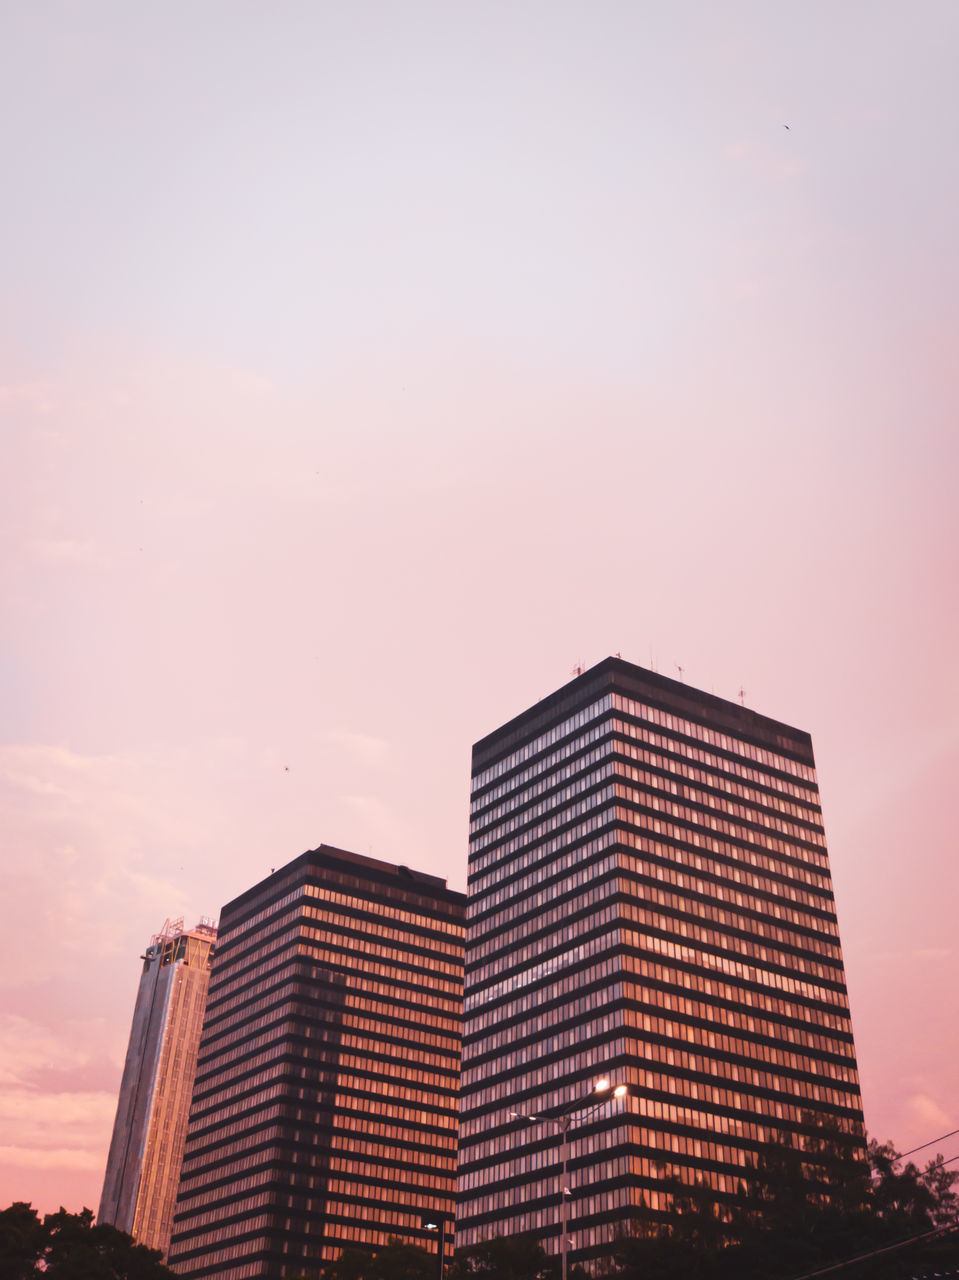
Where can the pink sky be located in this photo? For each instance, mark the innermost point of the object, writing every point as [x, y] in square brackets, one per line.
[366, 368]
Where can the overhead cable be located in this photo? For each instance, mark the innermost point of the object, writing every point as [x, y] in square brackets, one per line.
[889, 1248]
[923, 1146]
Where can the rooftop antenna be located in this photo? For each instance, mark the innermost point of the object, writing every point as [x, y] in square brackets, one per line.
[742, 696]
[680, 670]
[578, 670]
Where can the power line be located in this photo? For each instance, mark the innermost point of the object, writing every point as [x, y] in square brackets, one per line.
[923, 1146]
[889, 1248]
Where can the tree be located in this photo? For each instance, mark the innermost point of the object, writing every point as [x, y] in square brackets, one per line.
[397, 1260]
[68, 1246]
[21, 1241]
[506, 1258]
[800, 1209]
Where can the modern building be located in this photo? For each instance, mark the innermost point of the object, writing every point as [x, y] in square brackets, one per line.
[143, 1167]
[324, 1110]
[649, 901]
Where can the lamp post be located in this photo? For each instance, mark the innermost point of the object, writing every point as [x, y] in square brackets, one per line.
[437, 1222]
[603, 1091]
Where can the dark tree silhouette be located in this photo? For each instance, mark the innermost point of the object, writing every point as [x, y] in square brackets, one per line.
[800, 1210]
[395, 1261]
[507, 1258]
[68, 1246]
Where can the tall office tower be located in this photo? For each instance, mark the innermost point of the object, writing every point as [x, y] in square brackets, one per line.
[143, 1167]
[324, 1110]
[650, 901]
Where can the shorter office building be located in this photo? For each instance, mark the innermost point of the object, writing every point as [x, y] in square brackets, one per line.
[143, 1167]
[325, 1106]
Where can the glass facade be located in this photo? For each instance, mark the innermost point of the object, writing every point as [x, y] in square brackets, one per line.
[649, 900]
[324, 1110]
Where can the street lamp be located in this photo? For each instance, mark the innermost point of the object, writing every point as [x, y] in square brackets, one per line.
[437, 1222]
[603, 1091]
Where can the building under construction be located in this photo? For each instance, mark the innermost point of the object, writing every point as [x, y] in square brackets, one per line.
[143, 1167]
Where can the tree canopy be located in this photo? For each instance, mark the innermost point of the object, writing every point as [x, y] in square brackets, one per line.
[69, 1246]
[506, 1258]
[397, 1260]
[799, 1211]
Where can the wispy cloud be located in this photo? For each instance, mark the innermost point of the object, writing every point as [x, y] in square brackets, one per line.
[51, 1158]
[928, 1112]
[33, 397]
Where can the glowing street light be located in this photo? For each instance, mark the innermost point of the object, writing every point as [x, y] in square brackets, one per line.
[603, 1091]
[437, 1222]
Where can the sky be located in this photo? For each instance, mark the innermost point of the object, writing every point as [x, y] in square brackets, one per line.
[366, 368]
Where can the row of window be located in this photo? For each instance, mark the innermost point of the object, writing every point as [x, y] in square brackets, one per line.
[801, 802]
[712, 737]
[408, 1193]
[677, 758]
[723, 879]
[722, 1042]
[729, 774]
[505, 1203]
[659, 792]
[743, 1003]
[540, 743]
[216, 1096]
[274, 1144]
[276, 1000]
[530, 1004]
[360, 906]
[356, 957]
[436, 1119]
[576, 1034]
[539, 1163]
[402, 1052]
[554, 859]
[666, 923]
[546, 926]
[367, 1094]
[348, 958]
[804, 864]
[757, 926]
[499, 909]
[643, 1002]
[487, 843]
[513, 816]
[753, 1077]
[641, 711]
[531, 840]
[766, 1002]
[484, 995]
[259, 1140]
[275, 907]
[650, 943]
[399, 986]
[421, 949]
[544, 777]
[566, 1080]
[728, 862]
[271, 957]
[281, 1004]
[198, 1237]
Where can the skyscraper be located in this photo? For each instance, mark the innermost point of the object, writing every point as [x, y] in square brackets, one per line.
[649, 901]
[143, 1167]
[324, 1111]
